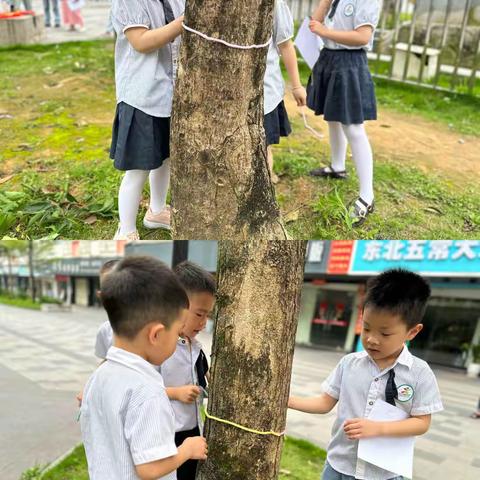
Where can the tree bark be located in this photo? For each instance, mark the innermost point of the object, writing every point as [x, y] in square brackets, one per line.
[221, 186]
[258, 301]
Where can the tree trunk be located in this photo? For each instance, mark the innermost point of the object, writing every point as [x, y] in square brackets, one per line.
[180, 252]
[31, 267]
[258, 300]
[10, 273]
[221, 186]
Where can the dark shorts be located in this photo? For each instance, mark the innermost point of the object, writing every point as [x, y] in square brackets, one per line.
[188, 470]
[139, 141]
[277, 125]
[341, 88]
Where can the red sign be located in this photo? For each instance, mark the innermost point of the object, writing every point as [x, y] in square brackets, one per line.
[340, 256]
[75, 247]
[359, 322]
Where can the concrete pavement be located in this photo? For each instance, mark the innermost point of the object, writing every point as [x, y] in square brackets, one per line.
[95, 14]
[45, 359]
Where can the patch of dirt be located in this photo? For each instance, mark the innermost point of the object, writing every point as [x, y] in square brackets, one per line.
[424, 144]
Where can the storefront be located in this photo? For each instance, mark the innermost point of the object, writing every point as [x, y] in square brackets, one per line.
[201, 252]
[333, 294]
[77, 280]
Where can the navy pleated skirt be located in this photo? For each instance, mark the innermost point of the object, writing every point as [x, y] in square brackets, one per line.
[139, 141]
[277, 124]
[341, 88]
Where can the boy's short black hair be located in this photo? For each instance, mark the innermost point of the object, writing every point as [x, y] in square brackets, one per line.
[140, 290]
[401, 292]
[106, 268]
[194, 278]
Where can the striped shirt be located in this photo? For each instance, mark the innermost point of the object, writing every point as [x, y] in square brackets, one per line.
[145, 80]
[357, 382]
[126, 418]
[177, 371]
[350, 15]
[274, 87]
[104, 340]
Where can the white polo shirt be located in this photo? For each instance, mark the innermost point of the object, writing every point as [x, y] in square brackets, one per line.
[104, 340]
[126, 418]
[350, 15]
[145, 80]
[274, 87]
[177, 371]
[357, 382]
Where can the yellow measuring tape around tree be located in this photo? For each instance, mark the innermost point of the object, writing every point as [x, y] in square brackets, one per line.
[241, 427]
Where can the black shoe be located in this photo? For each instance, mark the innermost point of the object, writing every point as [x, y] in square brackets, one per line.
[57, 25]
[359, 211]
[329, 172]
[48, 25]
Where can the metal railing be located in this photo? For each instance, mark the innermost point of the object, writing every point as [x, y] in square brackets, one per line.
[434, 43]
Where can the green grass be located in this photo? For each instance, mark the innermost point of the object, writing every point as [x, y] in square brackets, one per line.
[62, 101]
[410, 203]
[56, 180]
[73, 467]
[300, 461]
[22, 302]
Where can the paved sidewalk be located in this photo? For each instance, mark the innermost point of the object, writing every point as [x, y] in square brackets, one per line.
[45, 359]
[95, 14]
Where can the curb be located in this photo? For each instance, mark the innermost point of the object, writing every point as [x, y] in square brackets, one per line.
[59, 460]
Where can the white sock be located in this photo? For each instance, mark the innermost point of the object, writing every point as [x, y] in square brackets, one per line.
[129, 197]
[338, 146]
[159, 182]
[363, 158]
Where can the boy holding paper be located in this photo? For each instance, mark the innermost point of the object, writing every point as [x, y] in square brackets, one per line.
[394, 306]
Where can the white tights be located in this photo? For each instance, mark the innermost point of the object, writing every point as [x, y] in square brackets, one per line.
[361, 152]
[130, 194]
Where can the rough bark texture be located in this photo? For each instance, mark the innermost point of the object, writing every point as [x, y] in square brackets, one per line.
[221, 187]
[259, 294]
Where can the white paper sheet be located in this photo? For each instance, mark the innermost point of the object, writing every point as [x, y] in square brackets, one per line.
[308, 44]
[390, 453]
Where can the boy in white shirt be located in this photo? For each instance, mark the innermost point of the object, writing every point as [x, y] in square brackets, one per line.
[393, 310]
[184, 373]
[128, 424]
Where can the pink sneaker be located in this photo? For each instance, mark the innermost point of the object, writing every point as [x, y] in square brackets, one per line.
[158, 220]
[130, 237]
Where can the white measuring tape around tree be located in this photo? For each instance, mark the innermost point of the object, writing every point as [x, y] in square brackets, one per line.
[223, 42]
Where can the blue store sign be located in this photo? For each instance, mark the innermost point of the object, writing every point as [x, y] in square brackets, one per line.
[459, 258]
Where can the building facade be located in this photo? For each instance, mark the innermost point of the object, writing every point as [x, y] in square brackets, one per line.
[336, 273]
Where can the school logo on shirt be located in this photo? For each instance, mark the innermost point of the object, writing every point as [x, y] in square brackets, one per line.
[405, 393]
[348, 10]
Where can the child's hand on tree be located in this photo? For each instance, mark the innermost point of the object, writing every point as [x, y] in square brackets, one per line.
[187, 393]
[300, 95]
[356, 428]
[197, 448]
